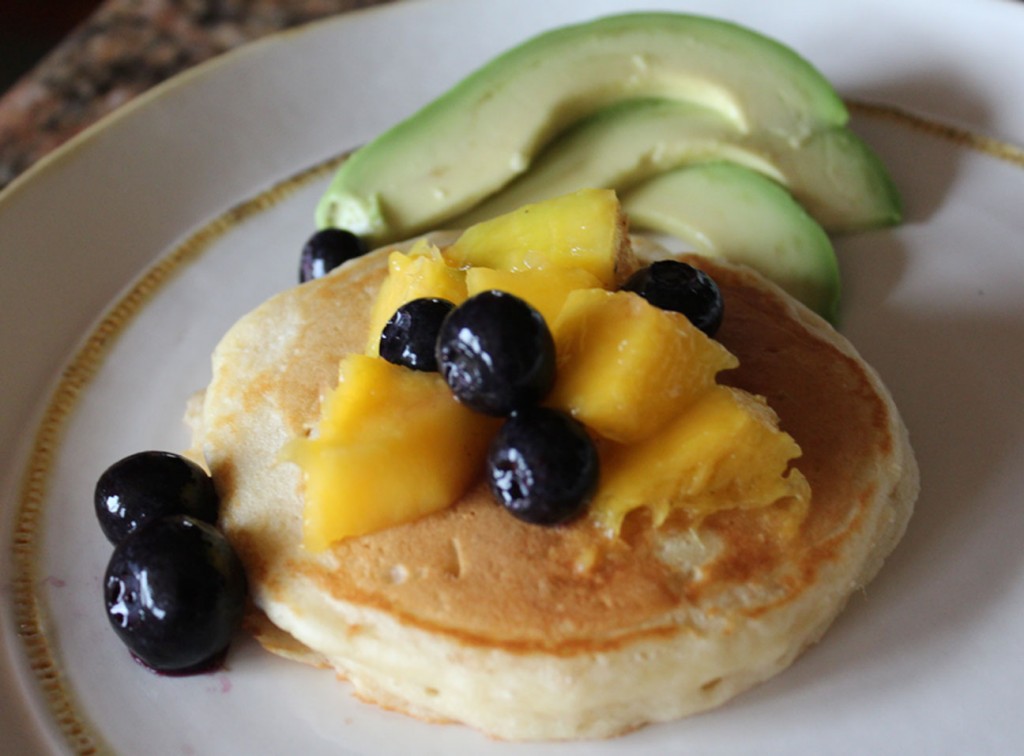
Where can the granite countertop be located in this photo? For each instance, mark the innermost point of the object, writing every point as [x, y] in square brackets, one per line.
[124, 48]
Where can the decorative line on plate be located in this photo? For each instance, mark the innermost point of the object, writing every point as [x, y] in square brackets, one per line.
[29, 610]
[963, 137]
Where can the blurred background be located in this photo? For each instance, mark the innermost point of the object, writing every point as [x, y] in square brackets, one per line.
[65, 64]
[31, 28]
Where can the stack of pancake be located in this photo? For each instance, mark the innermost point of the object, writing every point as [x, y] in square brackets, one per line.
[527, 632]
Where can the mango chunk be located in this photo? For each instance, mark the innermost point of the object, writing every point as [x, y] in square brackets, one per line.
[585, 230]
[546, 290]
[422, 272]
[726, 451]
[393, 445]
[625, 367]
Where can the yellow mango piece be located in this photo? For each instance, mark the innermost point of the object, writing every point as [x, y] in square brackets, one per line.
[421, 273]
[546, 290]
[584, 230]
[626, 367]
[725, 451]
[392, 446]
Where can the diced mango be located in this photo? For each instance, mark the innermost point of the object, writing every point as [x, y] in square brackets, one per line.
[585, 230]
[626, 367]
[421, 273]
[393, 445]
[546, 290]
[726, 451]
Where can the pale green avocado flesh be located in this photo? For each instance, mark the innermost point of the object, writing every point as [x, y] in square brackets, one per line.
[833, 174]
[728, 211]
[487, 130]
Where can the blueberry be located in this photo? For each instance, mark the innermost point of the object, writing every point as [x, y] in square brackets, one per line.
[175, 592]
[150, 484]
[496, 353]
[676, 286]
[410, 336]
[326, 250]
[542, 466]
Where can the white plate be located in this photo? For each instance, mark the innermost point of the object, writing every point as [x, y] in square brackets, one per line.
[928, 660]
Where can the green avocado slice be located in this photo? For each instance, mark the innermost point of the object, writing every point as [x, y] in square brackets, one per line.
[728, 211]
[837, 178]
[486, 130]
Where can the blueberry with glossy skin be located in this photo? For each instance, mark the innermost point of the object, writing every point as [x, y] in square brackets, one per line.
[542, 466]
[175, 593]
[677, 286]
[326, 250]
[496, 353]
[150, 484]
[410, 336]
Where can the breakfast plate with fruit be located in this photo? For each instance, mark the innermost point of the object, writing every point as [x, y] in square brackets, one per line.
[576, 411]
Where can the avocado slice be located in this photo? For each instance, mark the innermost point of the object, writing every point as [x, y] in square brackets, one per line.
[487, 129]
[832, 173]
[725, 210]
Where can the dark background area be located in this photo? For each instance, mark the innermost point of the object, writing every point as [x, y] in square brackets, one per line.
[29, 29]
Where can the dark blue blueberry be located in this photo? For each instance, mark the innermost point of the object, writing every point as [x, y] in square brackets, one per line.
[542, 466]
[150, 484]
[496, 353]
[676, 286]
[410, 336]
[326, 250]
[175, 593]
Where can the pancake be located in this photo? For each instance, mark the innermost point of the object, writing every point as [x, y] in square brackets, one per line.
[526, 632]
